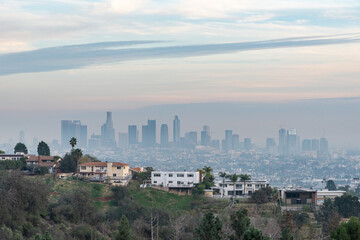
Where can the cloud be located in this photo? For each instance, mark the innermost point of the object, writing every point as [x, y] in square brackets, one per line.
[126, 6]
[79, 56]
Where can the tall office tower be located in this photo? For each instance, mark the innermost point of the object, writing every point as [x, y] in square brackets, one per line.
[324, 146]
[149, 134]
[282, 141]
[227, 142]
[164, 135]
[271, 145]
[83, 138]
[205, 136]
[247, 144]
[306, 145]
[235, 142]
[22, 136]
[95, 142]
[215, 144]
[176, 129]
[123, 140]
[132, 134]
[315, 145]
[292, 142]
[191, 138]
[70, 129]
[108, 132]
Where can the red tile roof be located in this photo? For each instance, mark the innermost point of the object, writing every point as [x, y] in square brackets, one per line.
[136, 169]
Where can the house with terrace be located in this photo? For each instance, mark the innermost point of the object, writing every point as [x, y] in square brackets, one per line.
[113, 172]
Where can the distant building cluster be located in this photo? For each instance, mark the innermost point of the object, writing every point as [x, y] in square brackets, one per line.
[289, 142]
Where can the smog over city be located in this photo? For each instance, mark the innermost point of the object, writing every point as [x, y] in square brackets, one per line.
[176, 119]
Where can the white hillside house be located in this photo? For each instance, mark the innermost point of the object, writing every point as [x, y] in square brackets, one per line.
[241, 188]
[175, 179]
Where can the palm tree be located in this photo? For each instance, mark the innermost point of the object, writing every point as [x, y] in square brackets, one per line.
[73, 142]
[223, 176]
[244, 178]
[233, 178]
[208, 178]
[207, 170]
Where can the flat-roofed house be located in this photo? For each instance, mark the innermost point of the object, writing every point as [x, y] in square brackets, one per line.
[326, 194]
[226, 189]
[298, 196]
[114, 172]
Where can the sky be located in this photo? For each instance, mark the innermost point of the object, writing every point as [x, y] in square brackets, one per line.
[76, 59]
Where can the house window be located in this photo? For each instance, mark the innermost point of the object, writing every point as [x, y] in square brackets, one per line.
[114, 175]
[190, 175]
[170, 181]
[249, 185]
[83, 167]
[257, 185]
[170, 175]
[157, 175]
[180, 175]
[238, 185]
[118, 167]
[155, 181]
[178, 182]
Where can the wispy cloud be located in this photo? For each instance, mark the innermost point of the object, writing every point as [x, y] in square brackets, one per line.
[79, 56]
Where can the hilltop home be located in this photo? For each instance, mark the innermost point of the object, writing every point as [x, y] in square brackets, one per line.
[298, 196]
[14, 157]
[50, 162]
[326, 194]
[227, 188]
[115, 172]
[176, 181]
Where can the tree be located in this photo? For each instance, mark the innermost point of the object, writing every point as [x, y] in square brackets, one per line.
[233, 178]
[244, 178]
[73, 142]
[264, 195]
[20, 147]
[330, 185]
[286, 235]
[208, 179]
[2, 152]
[124, 229]
[240, 222]
[348, 205]
[347, 231]
[223, 176]
[210, 227]
[43, 149]
[70, 161]
[254, 234]
[88, 158]
[328, 217]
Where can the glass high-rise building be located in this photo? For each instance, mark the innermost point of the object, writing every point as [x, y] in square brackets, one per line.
[70, 129]
[149, 134]
[205, 136]
[164, 135]
[108, 133]
[176, 129]
[132, 134]
[282, 141]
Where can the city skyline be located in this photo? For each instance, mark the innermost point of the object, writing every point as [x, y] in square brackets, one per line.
[244, 119]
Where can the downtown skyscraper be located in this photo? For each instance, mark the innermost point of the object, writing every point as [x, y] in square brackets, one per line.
[149, 134]
[176, 130]
[70, 129]
[108, 133]
[164, 135]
